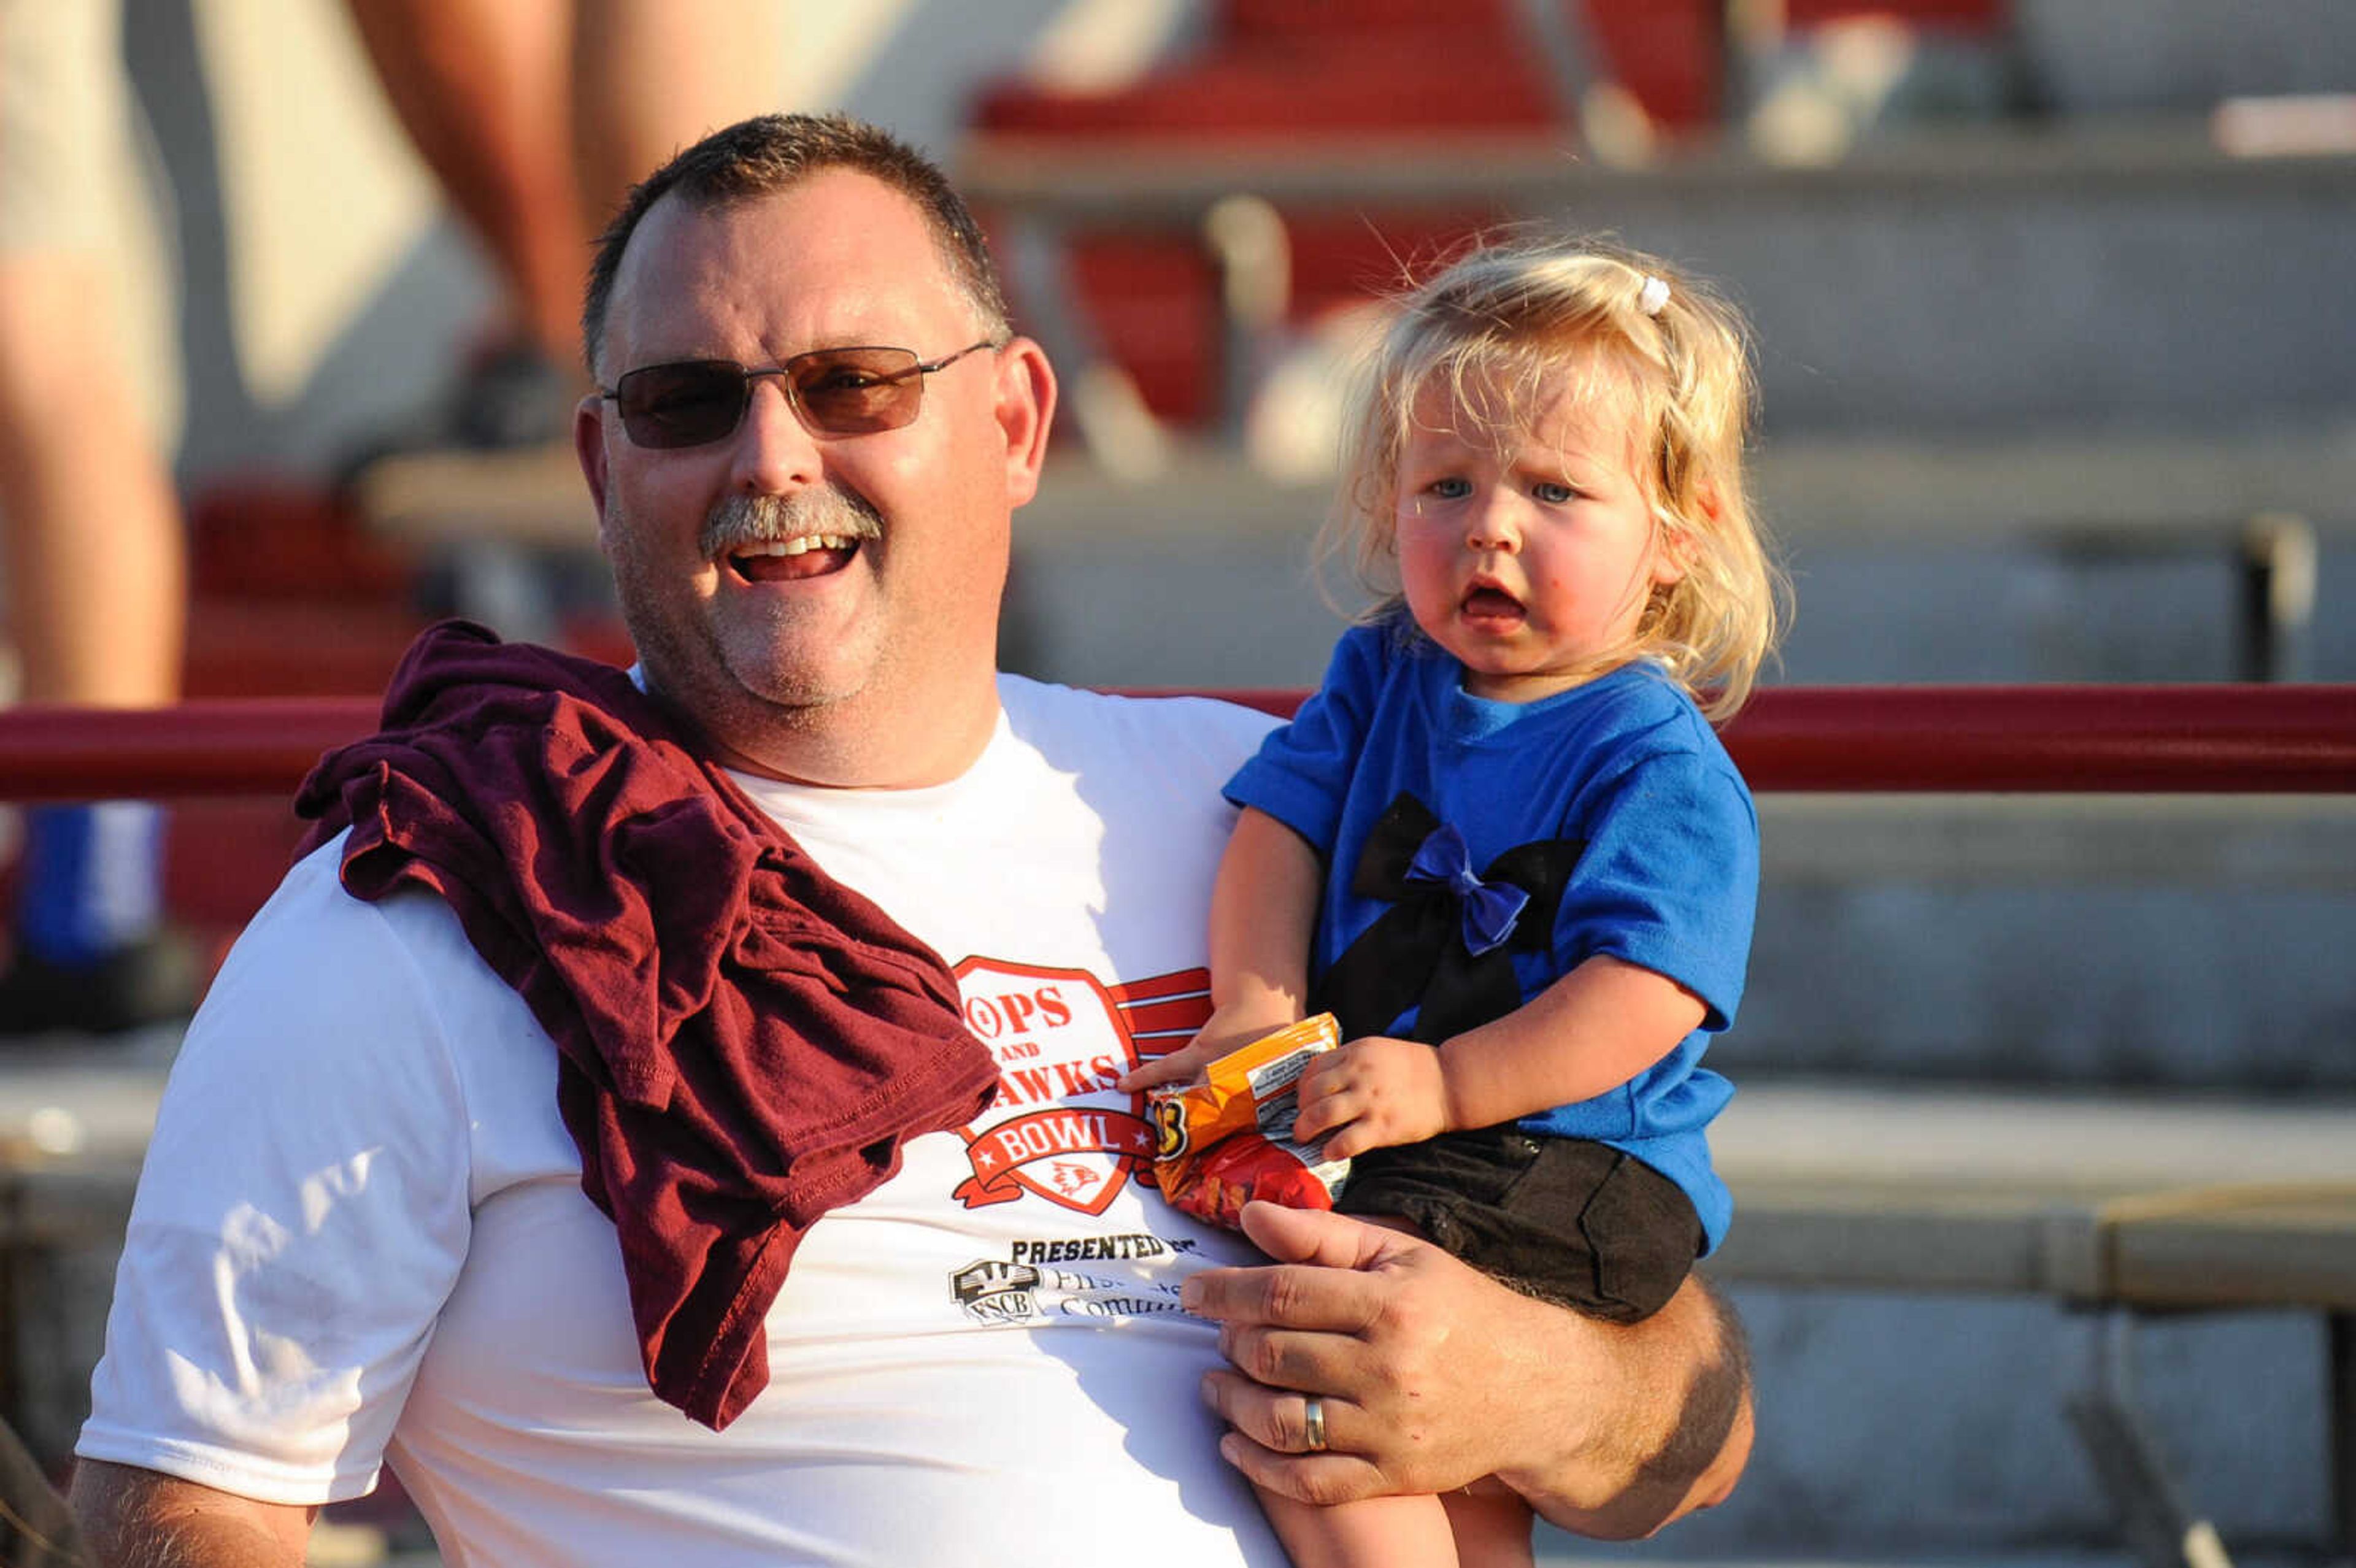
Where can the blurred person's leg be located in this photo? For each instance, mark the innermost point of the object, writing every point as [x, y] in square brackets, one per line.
[482, 88]
[94, 563]
[536, 116]
[653, 76]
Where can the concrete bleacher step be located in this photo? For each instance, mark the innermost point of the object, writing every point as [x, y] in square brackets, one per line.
[1341, 79]
[2199, 941]
[1973, 280]
[1942, 274]
[1996, 1188]
[2057, 556]
[1152, 301]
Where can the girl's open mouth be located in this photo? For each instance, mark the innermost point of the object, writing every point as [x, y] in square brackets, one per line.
[1491, 605]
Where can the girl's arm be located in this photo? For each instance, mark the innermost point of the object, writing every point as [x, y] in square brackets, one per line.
[1263, 910]
[1593, 1029]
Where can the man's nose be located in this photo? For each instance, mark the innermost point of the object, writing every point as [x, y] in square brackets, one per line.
[773, 453]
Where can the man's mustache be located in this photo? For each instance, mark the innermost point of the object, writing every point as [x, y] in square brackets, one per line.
[743, 518]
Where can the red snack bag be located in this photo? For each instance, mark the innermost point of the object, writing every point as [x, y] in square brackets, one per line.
[1227, 1138]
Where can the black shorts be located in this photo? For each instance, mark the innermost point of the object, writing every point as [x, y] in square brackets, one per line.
[1578, 1223]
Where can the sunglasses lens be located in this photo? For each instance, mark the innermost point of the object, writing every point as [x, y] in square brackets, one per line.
[838, 391]
[855, 391]
[685, 404]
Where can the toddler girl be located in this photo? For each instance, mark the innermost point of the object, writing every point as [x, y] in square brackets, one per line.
[1502, 842]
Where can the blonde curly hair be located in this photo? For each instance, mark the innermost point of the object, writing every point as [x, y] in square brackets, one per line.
[1501, 331]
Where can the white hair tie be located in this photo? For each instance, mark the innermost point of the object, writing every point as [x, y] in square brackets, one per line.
[1654, 297]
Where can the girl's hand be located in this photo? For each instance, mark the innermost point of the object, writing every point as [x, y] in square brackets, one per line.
[1374, 1093]
[1228, 1029]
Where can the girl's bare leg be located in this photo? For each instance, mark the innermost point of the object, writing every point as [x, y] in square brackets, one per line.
[1491, 1525]
[1380, 1533]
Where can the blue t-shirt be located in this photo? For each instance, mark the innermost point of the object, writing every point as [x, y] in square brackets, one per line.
[1662, 851]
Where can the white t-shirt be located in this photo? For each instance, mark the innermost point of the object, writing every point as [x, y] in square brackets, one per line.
[360, 1233]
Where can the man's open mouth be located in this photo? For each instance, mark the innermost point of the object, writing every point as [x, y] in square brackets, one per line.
[788, 561]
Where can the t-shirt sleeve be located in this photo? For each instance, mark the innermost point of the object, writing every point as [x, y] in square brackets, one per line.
[300, 1218]
[1301, 772]
[1670, 880]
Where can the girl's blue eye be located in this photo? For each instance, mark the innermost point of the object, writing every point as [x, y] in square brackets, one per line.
[1552, 492]
[1451, 489]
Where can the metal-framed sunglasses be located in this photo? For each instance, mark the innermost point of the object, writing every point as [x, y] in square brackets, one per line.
[834, 391]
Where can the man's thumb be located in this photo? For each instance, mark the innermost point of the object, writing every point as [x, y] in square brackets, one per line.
[1311, 1236]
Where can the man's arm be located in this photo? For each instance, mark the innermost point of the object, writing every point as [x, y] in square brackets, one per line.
[1433, 1375]
[132, 1518]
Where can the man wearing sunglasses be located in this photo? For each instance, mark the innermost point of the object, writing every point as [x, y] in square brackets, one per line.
[363, 1235]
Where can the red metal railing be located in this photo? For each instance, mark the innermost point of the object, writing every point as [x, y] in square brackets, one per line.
[2071, 738]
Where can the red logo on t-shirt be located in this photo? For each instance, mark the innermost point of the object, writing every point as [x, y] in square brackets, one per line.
[1059, 1129]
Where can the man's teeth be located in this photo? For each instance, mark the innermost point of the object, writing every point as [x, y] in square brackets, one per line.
[802, 546]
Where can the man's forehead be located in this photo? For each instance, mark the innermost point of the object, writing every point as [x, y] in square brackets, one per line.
[832, 250]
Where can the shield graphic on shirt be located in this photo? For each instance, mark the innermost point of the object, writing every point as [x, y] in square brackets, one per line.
[1058, 1129]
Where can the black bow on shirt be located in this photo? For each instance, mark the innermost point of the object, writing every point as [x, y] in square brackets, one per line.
[1418, 950]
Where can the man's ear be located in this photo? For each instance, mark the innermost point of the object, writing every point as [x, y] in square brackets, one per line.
[1026, 413]
[589, 446]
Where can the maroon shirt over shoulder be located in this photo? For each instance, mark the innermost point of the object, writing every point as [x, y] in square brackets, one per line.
[743, 1043]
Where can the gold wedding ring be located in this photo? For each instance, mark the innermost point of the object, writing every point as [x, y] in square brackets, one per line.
[1312, 1423]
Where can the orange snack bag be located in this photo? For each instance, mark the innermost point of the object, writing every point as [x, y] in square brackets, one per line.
[1227, 1138]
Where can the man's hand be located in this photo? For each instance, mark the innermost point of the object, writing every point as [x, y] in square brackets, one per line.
[1360, 1318]
[1433, 1375]
[1374, 1093]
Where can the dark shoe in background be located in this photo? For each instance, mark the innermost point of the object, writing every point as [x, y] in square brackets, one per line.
[151, 981]
[510, 398]
[514, 397]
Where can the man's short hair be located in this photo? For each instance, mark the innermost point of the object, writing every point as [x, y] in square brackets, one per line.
[771, 152]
